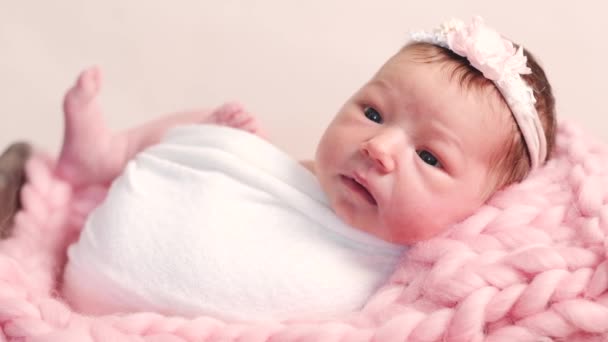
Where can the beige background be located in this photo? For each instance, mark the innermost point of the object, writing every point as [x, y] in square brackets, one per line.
[291, 62]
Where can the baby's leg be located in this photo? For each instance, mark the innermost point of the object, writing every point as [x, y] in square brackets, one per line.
[234, 115]
[230, 114]
[91, 154]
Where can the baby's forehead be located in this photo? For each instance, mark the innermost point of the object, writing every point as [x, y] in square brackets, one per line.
[417, 65]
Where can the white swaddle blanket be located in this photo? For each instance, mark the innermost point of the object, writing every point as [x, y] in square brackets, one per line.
[220, 222]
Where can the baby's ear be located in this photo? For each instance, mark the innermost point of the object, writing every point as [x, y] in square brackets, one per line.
[12, 178]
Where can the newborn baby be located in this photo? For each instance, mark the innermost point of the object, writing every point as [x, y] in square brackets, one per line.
[219, 221]
[446, 122]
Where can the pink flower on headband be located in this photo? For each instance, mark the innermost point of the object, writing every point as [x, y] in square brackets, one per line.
[486, 49]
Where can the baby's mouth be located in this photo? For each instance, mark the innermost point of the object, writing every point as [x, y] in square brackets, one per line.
[359, 189]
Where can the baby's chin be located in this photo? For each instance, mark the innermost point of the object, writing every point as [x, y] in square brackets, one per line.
[411, 233]
[377, 230]
[345, 215]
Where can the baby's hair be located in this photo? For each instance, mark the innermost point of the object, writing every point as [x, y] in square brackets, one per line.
[513, 164]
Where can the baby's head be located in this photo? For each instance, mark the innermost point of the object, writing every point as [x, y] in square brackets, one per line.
[430, 137]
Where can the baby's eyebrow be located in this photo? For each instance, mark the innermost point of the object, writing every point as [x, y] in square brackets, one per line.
[444, 133]
[381, 85]
[378, 82]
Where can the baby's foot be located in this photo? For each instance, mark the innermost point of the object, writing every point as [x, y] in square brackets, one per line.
[234, 115]
[86, 143]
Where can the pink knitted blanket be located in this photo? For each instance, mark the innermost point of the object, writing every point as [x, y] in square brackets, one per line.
[531, 265]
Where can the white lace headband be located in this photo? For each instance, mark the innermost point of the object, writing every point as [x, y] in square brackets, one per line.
[499, 62]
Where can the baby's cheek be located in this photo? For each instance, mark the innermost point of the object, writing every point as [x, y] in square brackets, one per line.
[326, 155]
[421, 221]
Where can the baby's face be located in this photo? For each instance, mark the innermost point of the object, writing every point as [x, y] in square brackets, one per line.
[409, 154]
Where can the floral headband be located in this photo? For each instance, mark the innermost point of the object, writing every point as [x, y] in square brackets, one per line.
[499, 62]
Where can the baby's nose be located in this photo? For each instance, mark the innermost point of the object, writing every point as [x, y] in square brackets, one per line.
[381, 158]
[384, 147]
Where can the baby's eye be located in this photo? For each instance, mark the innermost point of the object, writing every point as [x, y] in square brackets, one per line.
[372, 114]
[429, 158]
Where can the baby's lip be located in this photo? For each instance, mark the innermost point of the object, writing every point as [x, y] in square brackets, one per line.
[362, 181]
[359, 178]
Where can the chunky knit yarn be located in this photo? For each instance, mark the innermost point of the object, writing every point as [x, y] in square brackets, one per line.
[530, 265]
